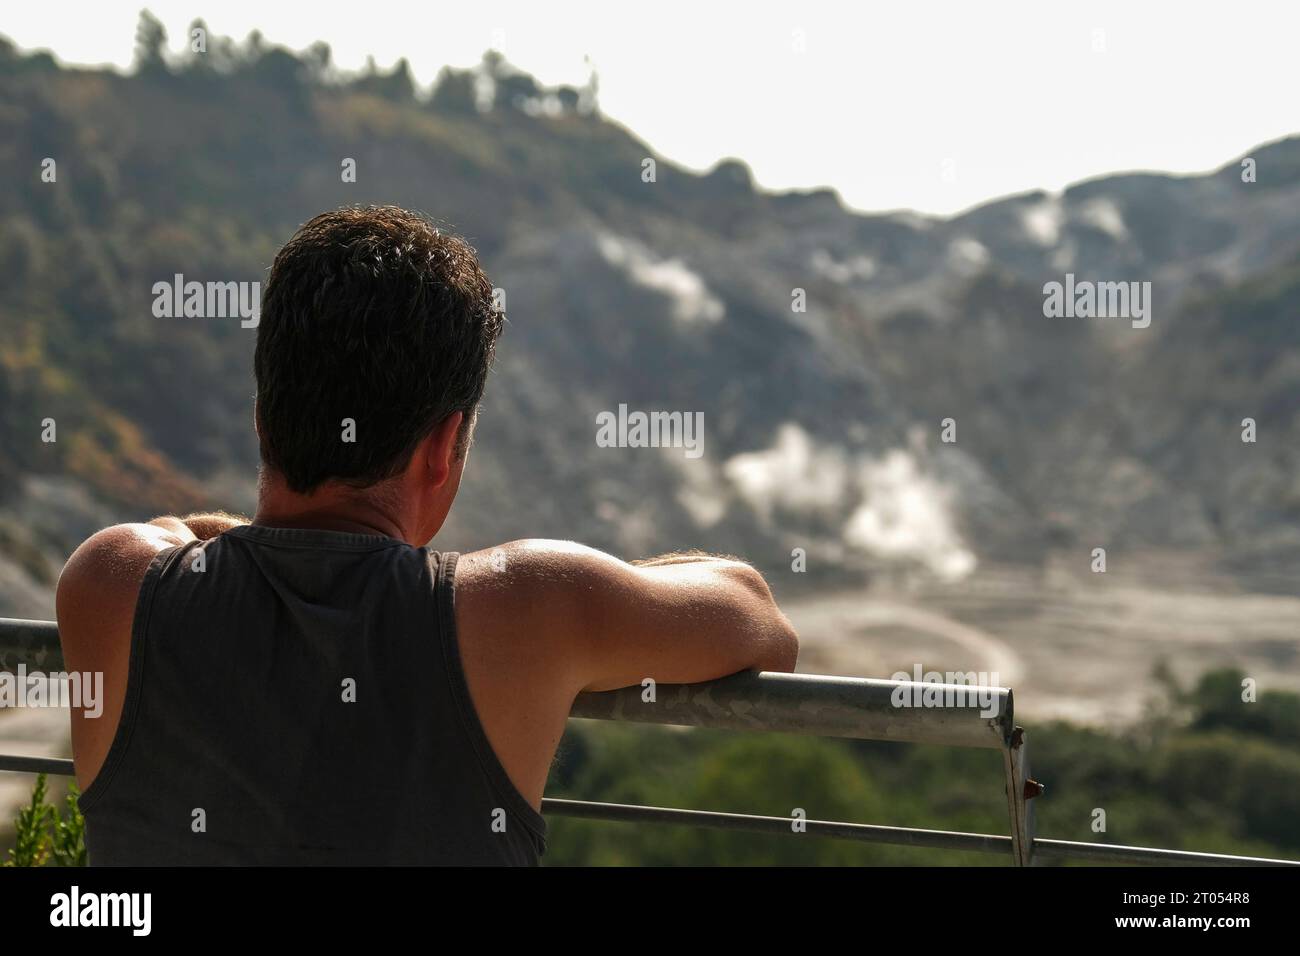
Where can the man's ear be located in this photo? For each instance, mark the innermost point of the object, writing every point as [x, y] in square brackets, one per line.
[441, 447]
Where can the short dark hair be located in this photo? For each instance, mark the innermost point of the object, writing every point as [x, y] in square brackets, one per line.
[377, 315]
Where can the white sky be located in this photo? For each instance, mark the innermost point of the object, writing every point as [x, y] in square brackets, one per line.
[934, 106]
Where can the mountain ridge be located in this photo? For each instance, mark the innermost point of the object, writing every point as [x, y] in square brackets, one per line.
[823, 426]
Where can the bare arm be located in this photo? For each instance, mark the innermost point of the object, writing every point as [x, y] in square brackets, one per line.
[95, 605]
[541, 621]
[679, 618]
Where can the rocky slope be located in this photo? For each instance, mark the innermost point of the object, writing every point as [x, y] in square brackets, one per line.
[823, 425]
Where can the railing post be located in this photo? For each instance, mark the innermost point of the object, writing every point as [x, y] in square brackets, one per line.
[1021, 790]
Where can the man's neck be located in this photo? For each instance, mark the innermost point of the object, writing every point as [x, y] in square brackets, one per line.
[326, 521]
[331, 508]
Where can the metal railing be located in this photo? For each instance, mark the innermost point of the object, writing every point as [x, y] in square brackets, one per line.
[843, 707]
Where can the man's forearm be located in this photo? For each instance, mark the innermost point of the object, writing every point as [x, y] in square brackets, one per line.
[203, 525]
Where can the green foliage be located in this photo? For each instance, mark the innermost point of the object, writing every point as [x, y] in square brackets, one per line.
[1217, 701]
[769, 775]
[31, 847]
[46, 835]
[1184, 782]
[150, 44]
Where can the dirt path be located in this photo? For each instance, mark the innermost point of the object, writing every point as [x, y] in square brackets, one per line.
[841, 629]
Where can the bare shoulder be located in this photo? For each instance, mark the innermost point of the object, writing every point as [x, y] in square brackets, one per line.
[553, 584]
[516, 607]
[98, 587]
[95, 603]
[532, 566]
[534, 582]
[116, 556]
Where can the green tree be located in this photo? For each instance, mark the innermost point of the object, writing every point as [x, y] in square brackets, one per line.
[150, 45]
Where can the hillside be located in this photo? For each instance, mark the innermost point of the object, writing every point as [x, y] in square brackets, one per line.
[822, 427]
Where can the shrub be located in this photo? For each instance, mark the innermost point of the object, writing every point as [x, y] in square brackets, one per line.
[46, 835]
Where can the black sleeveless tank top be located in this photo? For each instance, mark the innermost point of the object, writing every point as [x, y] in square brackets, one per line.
[296, 697]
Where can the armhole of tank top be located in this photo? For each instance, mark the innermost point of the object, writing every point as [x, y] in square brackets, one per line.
[134, 676]
[449, 638]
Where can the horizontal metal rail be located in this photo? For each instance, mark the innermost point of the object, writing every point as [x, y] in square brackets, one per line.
[56, 766]
[787, 703]
[861, 832]
[899, 836]
[851, 707]
[34, 643]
